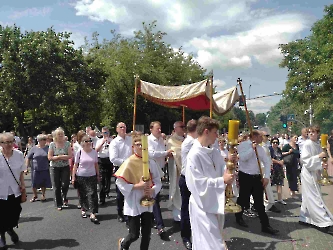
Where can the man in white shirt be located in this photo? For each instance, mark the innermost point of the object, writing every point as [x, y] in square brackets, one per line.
[94, 138]
[157, 151]
[185, 225]
[302, 138]
[104, 163]
[251, 182]
[120, 150]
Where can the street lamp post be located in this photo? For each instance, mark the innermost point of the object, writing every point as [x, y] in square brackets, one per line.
[250, 91]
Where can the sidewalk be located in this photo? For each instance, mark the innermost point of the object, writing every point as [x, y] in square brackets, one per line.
[292, 236]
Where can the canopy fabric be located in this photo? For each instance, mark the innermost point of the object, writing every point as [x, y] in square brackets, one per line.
[194, 96]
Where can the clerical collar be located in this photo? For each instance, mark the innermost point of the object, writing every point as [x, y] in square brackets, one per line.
[138, 155]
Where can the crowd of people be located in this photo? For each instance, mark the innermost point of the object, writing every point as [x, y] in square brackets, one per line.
[194, 159]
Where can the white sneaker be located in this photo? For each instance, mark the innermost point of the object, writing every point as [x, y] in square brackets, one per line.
[282, 202]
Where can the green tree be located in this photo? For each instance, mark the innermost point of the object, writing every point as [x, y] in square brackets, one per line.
[148, 56]
[310, 63]
[45, 82]
[260, 119]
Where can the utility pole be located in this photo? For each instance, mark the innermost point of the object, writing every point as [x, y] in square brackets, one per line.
[311, 114]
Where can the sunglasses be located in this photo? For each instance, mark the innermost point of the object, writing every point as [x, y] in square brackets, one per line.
[87, 141]
[105, 132]
[275, 142]
[7, 142]
[43, 139]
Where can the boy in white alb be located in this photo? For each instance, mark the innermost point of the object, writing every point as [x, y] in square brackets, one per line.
[130, 183]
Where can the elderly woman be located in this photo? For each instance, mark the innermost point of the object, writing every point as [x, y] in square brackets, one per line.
[11, 185]
[29, 146]
[277, 173]
[292, 150]
[40, 173]
[59, 153]
[86, 174]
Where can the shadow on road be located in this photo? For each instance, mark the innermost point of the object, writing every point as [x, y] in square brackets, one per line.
[46, 244]
[243, 243]
[29, 219]
[103, 217]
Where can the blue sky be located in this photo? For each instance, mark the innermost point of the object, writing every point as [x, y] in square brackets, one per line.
[235, 38]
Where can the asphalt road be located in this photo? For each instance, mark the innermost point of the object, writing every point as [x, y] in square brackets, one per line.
[43, 227]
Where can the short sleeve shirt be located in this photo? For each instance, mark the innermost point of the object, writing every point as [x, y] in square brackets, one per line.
[86, 163]
[59, 151]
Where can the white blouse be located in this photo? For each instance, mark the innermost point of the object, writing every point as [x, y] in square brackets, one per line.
[8, 185]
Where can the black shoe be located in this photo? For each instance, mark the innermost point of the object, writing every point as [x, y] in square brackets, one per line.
[13, 236]
[187, 243]
[94, 220]
[241, 222]
[274, 209]
[161, 233]
[121, 218]
[329, 230]
[304, 224]
[269, 230]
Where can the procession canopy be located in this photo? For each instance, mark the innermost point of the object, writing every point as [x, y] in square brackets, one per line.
[195, 96]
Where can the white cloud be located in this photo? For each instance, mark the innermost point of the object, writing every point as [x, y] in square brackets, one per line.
[30, 12]
[260, 42]
[77, 37]
[219, 84]
[174, 16]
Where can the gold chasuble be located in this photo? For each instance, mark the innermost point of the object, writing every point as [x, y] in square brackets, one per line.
[175, 143]
[175, 166]
[131, 170]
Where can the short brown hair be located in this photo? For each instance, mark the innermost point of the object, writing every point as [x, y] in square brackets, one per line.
[255, 133]
[136, 136]
[153, 123]
[314, 128]
[191, 125]
[205, 122]
[80, 135]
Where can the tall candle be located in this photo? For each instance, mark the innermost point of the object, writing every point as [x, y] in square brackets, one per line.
[233, 130]
[144, 141]
[323, 140]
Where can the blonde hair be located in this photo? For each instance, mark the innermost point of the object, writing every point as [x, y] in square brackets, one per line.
[56, 132]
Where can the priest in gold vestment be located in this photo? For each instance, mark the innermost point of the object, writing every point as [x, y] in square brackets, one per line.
[175, 165]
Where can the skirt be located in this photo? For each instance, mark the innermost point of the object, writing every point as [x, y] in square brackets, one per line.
[277, 175]
[41, 179]
[10, 210]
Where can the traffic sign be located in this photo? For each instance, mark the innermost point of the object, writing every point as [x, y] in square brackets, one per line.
[290, 117]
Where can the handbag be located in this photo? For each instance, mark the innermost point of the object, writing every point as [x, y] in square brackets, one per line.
[23, 191]
[288, 159]
[76, 184]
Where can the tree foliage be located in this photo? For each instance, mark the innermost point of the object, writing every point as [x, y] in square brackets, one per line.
[310, 65]
[147, 56]
[45, 81]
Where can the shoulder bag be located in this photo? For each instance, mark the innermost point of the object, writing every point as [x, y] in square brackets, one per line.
[23, 191]
[76, 184]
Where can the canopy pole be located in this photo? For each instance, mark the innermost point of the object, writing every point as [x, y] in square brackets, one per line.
[239, 81]
[136, 81]
[183, 114]
[211, 97]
